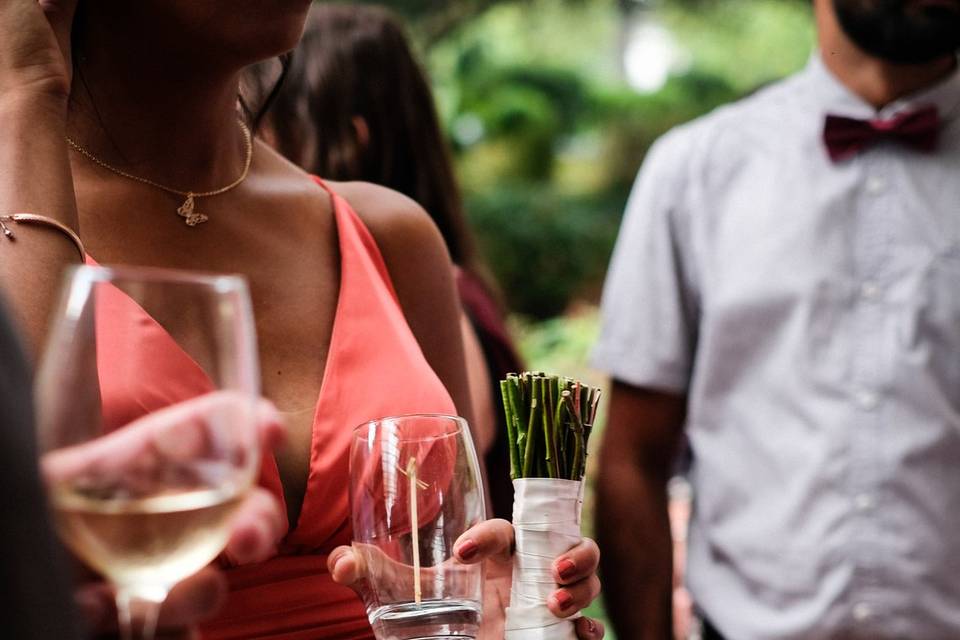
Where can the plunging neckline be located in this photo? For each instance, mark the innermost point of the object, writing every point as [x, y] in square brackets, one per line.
[332, 351]
[324, 376]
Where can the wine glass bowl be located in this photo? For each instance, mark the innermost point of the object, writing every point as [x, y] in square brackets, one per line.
[147, 402]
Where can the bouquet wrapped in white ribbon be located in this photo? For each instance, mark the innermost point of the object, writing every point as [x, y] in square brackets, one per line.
[549, 420]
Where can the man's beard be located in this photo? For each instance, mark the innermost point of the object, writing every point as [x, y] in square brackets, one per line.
[901, 31]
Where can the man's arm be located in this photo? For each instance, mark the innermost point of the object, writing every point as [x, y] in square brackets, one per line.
[640, 443]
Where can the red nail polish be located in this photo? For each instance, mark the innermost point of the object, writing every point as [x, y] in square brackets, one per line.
[468, 550]
[563, 598]
[591, 626]
[566, 569]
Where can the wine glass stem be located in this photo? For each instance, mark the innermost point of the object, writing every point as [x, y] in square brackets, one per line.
[138, 608]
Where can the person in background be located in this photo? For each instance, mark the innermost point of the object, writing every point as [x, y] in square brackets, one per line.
[356, 105]
[785, 287]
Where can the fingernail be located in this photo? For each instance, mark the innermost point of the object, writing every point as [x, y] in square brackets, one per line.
[468, 550]
[566, 568]
[563, 598]
[591, 626]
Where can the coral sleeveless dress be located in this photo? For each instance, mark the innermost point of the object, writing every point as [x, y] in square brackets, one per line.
[374, 368]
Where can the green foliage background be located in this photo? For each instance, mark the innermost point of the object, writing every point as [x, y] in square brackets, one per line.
[549, 137]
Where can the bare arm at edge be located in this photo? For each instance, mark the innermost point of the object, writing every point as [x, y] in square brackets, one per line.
[34, 167]
[640, 443]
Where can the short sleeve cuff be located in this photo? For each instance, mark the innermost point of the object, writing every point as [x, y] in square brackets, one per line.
[639, 371]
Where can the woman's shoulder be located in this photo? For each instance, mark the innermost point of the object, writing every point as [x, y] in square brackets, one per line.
[401, 228]
[419, 266]
[412, 247]
[420, 270]
[391, 217]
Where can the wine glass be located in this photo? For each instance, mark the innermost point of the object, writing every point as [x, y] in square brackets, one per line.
[146, 399]
[415, 487]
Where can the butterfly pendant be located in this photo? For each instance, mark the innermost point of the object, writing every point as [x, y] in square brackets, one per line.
[188, 212]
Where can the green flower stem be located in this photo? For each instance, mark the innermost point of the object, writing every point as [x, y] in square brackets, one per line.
[549, 420]
[508, 392]
[550, 454]
[576, 461]
[529, 461]
[563, 436]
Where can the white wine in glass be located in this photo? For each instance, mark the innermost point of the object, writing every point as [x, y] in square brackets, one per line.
[162, 539]
[147, 418]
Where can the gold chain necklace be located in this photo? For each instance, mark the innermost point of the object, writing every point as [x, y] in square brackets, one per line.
[187, 210]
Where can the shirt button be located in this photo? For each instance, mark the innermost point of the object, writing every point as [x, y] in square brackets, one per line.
[862, 611]
[867, 400]
[869, 290]
[876, 185]
[864, 502]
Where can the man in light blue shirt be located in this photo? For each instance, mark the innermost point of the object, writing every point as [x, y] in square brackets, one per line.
[786, 287]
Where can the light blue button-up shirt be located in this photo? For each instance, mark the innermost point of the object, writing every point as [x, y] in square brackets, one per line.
[811, 313]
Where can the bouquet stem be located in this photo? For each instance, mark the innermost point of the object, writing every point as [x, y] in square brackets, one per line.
[548, 425]
[546, 518]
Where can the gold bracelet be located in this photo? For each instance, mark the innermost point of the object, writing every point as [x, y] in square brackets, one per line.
[31, 218]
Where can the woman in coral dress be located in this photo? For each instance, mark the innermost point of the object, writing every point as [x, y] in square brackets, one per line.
[352, 289]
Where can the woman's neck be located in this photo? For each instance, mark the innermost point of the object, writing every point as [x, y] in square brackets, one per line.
[166, 118]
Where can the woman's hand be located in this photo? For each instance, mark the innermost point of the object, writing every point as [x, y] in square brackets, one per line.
[182, 430]
[35, 48]
[492, 542]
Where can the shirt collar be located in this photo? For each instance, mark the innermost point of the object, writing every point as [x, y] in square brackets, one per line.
[832, 96]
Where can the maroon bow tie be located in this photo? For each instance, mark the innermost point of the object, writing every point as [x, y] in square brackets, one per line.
[846, 137]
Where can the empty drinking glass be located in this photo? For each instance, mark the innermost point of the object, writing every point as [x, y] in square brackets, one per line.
[415, 487]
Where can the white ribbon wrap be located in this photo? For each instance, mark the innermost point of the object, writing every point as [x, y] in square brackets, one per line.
[546, 520]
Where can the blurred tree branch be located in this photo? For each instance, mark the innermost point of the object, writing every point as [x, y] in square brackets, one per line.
[436, 20]
[441, 23]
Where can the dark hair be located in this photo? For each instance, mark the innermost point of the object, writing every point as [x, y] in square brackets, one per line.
[356, 62]
[267, 97]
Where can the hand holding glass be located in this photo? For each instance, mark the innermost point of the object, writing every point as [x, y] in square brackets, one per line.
[415, 487]
[148, 502]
